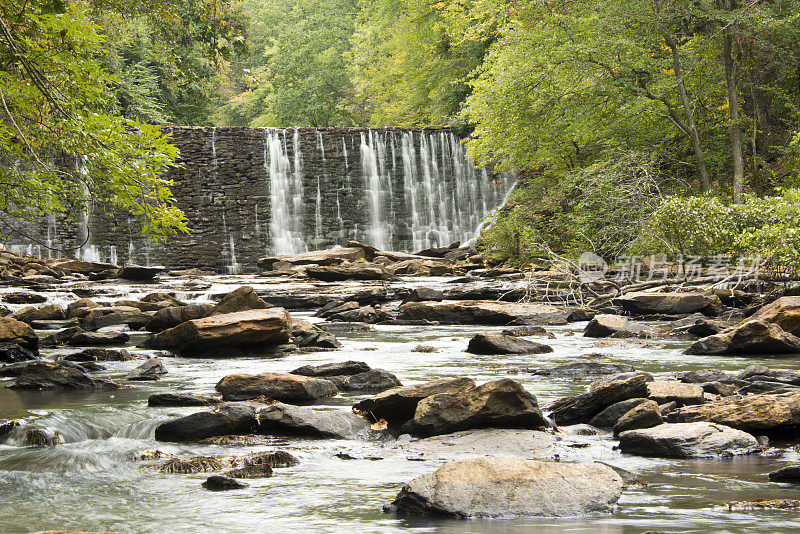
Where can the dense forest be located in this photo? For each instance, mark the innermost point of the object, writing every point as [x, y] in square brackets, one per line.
[637, 127]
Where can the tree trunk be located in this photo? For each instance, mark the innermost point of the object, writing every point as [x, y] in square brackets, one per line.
[732, 80]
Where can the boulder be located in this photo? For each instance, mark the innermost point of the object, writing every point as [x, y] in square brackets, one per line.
[221, 483]
[13, 353]
[49, 375]
[95, 339]
[54, 324]
[422, 294]
[687, 440]
[138, 273]
[174, 315]
[683, 394]
[502, 344]
[81, 307]
[241, 299]
[582, 408]
[584, 369]
[351, 271]
[643, 415]
[180, 399]
[23, 297]
[752, 337]
[282, 387]
[483, 312]
[776, 414]
[643, 303]
[762, 372]
[372, 381]
[228, 419]
[98, 318]
[291, 420]
[19, 333]
[333, 369]
[396, 406]
[334, 256]
[50, 312]
[101, 355]
[152, 369]
[6, 428]
[614, 325]
[506, 487]
[789, 473]
[307, 335]
[784, 312]
[525, 331]
[250, 471]
[499, 404]
[704, 375]
[251, 328]
[609, 417]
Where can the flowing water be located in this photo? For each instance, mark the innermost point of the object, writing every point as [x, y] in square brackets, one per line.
[90, 482]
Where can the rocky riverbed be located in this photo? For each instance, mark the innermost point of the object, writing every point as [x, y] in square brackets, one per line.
[400, 402]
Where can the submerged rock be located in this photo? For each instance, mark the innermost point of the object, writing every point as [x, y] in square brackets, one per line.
[499, 404]
[228, 419]
[687, 440]
[396, 406]
[199, 337]
[221, 483]
[505, 487]
[274, 459]
[6, 428]
[291, 420]
[282, 387]
[502, 344]
[250, 471]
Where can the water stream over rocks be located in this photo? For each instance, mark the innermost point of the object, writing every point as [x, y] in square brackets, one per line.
[90, 482]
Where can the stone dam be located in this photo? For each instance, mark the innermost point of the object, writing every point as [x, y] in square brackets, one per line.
[254, 192]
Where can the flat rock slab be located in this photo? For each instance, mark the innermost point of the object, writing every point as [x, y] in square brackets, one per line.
[180, 399]
[614, 325]
[505, 487]
[333, 369]
[45, 375]
[245, 328]
[483, 312]
[348, 272]
[751, 413]
[98, 339]
[507, 442]
[503, 344]
[333, 256]
[687, 440]
[227, 420]
[282, 387]
[584, 369]
[667, 303]
[139, 272]
[663, 391]
[291, 420]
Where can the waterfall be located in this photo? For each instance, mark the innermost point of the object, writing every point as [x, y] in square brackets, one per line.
[285, 194]
[378, 229]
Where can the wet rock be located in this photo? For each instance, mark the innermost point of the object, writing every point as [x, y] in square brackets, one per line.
[372, 381]
[580, 314]
[762, 372]
[19, 333]
[12, 353]
[682, 394]
[687, 440]
[619, 376]
[608, 325]
[609, 416]
[334, 256]
[6, 428]
[54, 325]
[291, 420]
[160, 297]
[498, 404]
[241, 299]
[421, 294]
[49, 375]
[787, 474]
[644, 415]
[644, 303]
[189, 466]
[775, 414]
[502, 344]
[51, 312]
[525, 331]
[757, 387]
[21, 297]
[483, 312]
[152, 369]
[707, 328]
[282, 387]
[85, 339]
[704, 375]
[181, 399]
[351, 271]
[221, 483]
[172, 316]
[307, 335]
[398, 405]
[506, 487]
[228, 419]
[102, 317]
[81, 307]
[100, 355]
[333, 369]
[275, 459]
[250, 471]
[584, 369]
[751, 337]
[198, 337]
[138, 273]
[84, 267]
[719, 388]
[582, 408]
[345, 328]
[41, 437]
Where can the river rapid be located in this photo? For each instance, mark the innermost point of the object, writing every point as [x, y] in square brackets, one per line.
[92, 483]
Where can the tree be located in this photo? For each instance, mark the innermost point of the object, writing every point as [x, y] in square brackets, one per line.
[60, 143]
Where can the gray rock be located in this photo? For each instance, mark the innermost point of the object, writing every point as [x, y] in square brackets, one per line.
[45, 375]
[687, 440]
[751, 337]
[762, 372]
[505, 487]
[151, 369]
[645, 303]
[228, 419]
[282, 387]
[644, 415]
[584, 369]
[421, 294]
[221, 483]
[704, 375]
[333, 369]
[683, 394]
[499, 404]
[180, 399]
[373, 381]
[582, 408]
[608, 325]
[291, 420]
[85, 339]
[524, 331]
[483, 312]
[172, 316]
[790, 473]
[609, 417]
[502, 344]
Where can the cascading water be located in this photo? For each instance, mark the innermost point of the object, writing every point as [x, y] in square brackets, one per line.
[285, 195]
[378, 231]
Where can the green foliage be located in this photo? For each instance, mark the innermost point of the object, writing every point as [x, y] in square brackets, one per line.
[56, 101]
